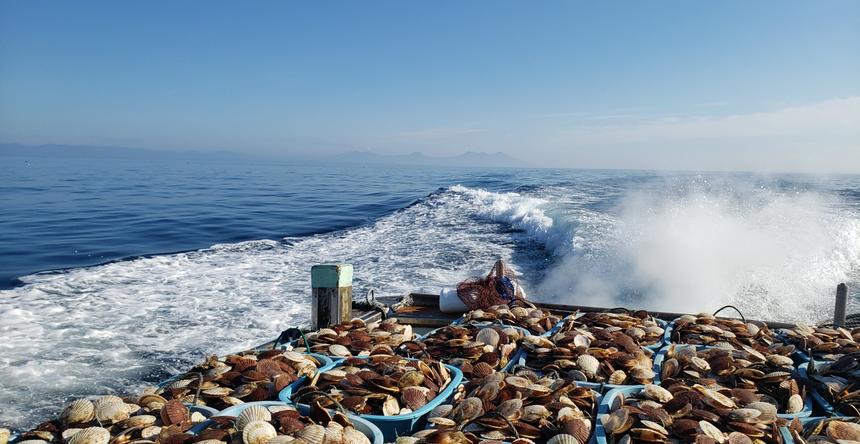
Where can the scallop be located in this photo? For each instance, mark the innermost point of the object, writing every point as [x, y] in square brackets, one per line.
[251, 414]
[110, 412]
[140, 421]
[842, 430]
[794, 404]
[617, 377]
[312, 434]
[258, 432]
[150, 433]
[588, 364]
[174, 412]
[78, 411]
[511, 409]
[333, 432]
[535, 412]
[339, 350]
[712, 431]
[657, 393]
[390, 406]
[768, 410]
[353, 436]
[488, 336]
[91, 435]
[413, 397]
[563, 438]
[4, 435]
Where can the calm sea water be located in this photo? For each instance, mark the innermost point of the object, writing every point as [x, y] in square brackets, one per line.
[158, 263]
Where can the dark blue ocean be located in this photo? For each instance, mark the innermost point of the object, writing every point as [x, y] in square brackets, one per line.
[115, 272]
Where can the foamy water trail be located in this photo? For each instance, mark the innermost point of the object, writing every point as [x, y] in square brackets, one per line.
[106, 329]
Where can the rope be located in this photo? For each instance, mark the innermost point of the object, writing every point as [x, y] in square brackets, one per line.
[319, 393]
[199, 387]
[732, 307]
[370, 303]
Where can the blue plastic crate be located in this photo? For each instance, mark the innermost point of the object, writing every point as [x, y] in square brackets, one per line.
[816, 396]
[401, 425]
[366, 427]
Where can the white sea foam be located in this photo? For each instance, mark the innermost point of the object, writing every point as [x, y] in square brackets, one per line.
[774, 256]
[106, 328]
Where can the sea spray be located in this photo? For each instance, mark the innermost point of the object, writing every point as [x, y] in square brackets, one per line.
[774, 255]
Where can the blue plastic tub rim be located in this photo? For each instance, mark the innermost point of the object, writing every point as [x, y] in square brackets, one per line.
[456, 379]
[364, 426]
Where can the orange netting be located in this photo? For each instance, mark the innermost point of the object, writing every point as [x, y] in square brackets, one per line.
[500, 286]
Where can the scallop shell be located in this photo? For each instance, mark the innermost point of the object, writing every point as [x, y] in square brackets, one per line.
[617, 377]
[441, 410]
[312, 434]
[139, 421]
[251, 414]
[150, 433]
[353, 436]
[174, 412]
[588, 364]
[67, 434]
[390, 406]
[511, 409]
[712, 431]
[413, 397]
[339, 350]
[535, 412]
[110, 411]
[848, 431]
[4, 435]
[657, 393]
[488, 336]
[258, 432]
[152, 401]
[768, 410]
[738, 438]
[563, 438]
[333, 432]
[78, 411]
[91, 435]
[280, 439]
[794, 404]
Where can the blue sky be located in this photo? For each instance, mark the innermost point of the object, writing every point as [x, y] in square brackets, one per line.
[662, 84]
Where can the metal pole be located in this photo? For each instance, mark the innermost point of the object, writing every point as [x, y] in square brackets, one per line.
[841, 301]
[331, 300]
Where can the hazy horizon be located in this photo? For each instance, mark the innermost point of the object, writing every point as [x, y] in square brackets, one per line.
[769, 86]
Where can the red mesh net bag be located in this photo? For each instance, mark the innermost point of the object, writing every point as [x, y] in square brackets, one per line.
[498, 287]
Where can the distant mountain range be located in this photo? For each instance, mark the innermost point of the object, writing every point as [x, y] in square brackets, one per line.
[468, 159]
